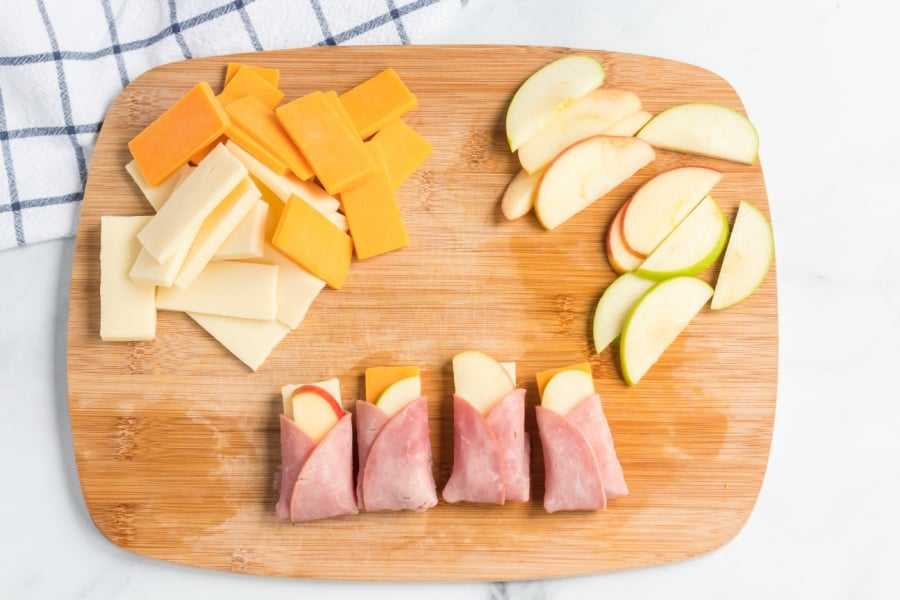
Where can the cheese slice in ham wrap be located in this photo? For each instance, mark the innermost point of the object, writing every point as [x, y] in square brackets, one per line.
[581, 469]
[490, 454]
[316, 479]
[394, 458]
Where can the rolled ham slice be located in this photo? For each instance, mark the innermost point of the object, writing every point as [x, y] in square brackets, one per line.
[394, 458]
[581, 469]
[490, 454]
[316, 479]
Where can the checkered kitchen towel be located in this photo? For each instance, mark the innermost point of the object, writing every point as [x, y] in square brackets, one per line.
[63, 62]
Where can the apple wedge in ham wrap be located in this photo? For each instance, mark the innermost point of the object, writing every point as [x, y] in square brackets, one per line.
[316, 478]
[394, 458]
[491, 453]
[581, 469]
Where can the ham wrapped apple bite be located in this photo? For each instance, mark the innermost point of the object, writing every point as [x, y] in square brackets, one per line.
[393, 443]
[491, 450]
[316, 454]
[581, 469]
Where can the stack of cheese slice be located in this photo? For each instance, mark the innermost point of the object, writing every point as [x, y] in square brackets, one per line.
[258, 206]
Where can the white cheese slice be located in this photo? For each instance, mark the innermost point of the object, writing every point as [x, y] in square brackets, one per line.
[157, 195]
[191, 203]
[285, 186]
[250, 340]
[248, 238]
[149, 271]
[127, 310]
[332, 386]
[229, 289]
[297, 288]
[217, 226]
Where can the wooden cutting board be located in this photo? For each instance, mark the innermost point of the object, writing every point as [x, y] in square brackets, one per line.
[177, 442]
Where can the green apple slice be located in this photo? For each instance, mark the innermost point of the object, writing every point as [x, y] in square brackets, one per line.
[566, 389]
[518, 199]
[480, 379]
[614, 307]
[589, 116]
[658, 206]
[748, 257]
[694, 245]
[657, 319]
[548, 90]
[397, 395]
[706, 129]
[585, 172]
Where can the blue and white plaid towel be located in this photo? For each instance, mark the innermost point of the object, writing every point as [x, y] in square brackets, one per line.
[62, 63]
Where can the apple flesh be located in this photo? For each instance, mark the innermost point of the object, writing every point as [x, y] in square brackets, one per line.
[705, 129]
[620, 257]
[315, 411]
[748, 257]
[657, 320]
[694, 245]
[585, 172]
[566, 390]
[518, 199]
[397, 395]
[548, 90]
[332, 386]
[614, 307]
[631, 124]
[591, 115]
[659, 205]
[481, 380]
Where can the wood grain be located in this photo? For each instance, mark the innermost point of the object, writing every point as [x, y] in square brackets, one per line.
[176, 441]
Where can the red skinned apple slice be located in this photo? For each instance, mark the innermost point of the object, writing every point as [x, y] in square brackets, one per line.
[584, 173]
[589, 116]
[518, 199]
[620, 257]
[631, 124]
[656, 209]
[706, 129]
[315, 411]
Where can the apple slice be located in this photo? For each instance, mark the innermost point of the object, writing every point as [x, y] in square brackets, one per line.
[399, 394]
[659, 205]
[631, 124]
[748, 257]
[566, 389]
[332, 386]
[548, 90]
[589, 116]
[706, 129]
[518, 199]
[480, 379]
[620, 257]
[656, 320]
[585, 172]
[694, 245]
[614, 307]
[315, 411]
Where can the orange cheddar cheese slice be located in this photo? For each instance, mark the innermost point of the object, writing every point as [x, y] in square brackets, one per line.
[276, 206]
[255, 149]
[200, 154]
[377, 101]
[247, 82]
[544, 376]
[379, 379]
[307, 237]
[188, 126]
[376, 151]
[404, 149]
[259, 121]
[270, 75]
[374, 217]
[336, 153]
[338, 107]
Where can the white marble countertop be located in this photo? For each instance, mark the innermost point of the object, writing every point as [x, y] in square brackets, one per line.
[818, 81]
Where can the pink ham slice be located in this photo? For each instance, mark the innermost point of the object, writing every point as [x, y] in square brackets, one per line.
[321, 486]
[572, 479]
[588, 417]
[394, 458]
[490, 455]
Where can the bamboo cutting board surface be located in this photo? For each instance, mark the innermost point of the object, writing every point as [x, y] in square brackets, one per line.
[177, 443]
